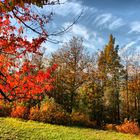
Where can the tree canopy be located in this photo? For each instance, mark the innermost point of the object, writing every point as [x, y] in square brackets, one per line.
[18, 80]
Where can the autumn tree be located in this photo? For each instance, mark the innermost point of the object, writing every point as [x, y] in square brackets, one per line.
[93, 91]
[73, 61]
[17, 82]
[110, 70]
[126, 60]
[134, 88]
[130, 94]
[14, 44]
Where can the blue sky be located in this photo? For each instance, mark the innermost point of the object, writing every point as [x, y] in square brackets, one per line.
[100, 19]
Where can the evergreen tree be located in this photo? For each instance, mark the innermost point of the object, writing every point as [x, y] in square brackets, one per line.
[110, 70]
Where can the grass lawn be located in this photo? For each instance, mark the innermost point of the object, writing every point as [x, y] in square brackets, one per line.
[16, 129]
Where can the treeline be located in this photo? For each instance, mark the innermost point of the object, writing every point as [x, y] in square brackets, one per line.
[104, 87]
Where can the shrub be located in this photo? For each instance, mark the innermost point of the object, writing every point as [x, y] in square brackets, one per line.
[5, 111]
[20, 112]
[61, 118]
[78, 118]
[35, 114]
[56, 115]
[50, 112]
[128, 127]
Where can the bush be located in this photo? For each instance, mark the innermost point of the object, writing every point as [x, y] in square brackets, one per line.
[50, 112]
[20, 112]
[81, 119]
[128, 127]
[35, 114]
[61, 118]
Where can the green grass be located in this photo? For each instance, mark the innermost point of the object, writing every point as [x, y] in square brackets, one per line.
[16, 129]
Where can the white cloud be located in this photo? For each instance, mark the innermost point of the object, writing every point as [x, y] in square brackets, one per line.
[69, 8]
[116, 24]
[103, 19]
[130, 44]
[135, 27]
[95, 42]
[64, 9]
[78, 30]
[108, 21]
[93, 15]
[63, 1]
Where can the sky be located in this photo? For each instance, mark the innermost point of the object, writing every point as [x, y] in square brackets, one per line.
[99, 19]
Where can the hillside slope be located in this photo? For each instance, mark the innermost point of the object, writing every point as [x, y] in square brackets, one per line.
[15, 129]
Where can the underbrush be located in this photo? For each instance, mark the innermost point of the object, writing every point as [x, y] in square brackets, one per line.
[51, 112]
[128, 126]
[48, 112]
[5, 110]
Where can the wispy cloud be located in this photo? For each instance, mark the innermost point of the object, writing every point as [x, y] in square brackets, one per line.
[66, 8]
[108, 21]
[103, 19]
[78, 30]
[135, 27]
[118, 22]
[91, 14]
[130, 44]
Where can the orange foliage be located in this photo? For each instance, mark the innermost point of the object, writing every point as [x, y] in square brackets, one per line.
[50, 113]
[19, 112]
[128, 127]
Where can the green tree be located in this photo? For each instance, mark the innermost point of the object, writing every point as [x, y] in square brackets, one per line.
[73, 61]
[110, 70]
[94, 97]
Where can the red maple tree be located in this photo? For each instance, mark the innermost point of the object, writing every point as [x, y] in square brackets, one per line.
[17, 80]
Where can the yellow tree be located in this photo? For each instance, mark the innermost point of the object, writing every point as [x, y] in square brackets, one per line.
[110, 70]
